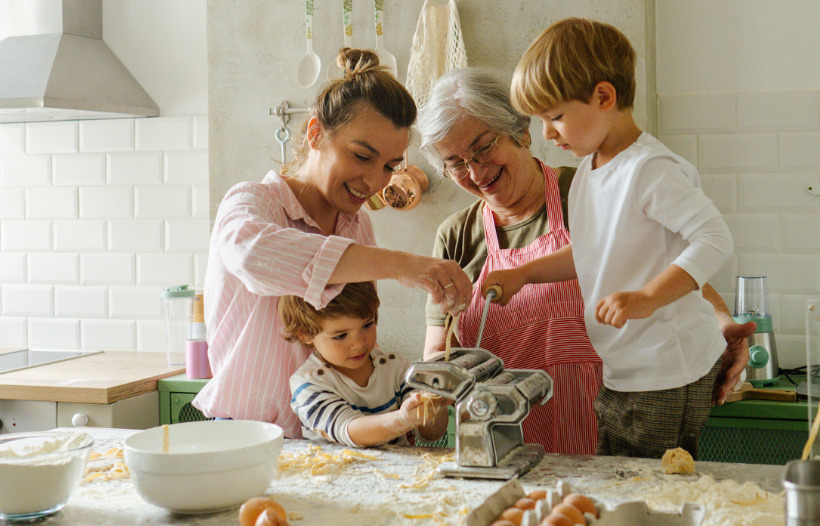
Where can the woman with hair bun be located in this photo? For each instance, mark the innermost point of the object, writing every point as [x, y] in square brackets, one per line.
[303, 233]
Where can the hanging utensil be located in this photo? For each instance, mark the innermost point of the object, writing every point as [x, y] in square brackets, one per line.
[385, 57]
[282, 137]
[311, 64]
[334, 72]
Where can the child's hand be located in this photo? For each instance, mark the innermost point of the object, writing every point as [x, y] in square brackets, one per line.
[421, 407]
[619, 307]
[411, 409]
[510, 281]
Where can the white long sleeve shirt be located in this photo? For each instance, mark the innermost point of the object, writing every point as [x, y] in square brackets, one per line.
[264, 245]
[630, 219]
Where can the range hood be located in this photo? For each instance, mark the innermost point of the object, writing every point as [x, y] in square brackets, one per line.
[54, 65]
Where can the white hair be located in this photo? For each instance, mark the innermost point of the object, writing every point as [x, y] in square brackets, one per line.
[468, 92]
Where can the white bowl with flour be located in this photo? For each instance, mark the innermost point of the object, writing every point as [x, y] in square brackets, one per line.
[40, 471]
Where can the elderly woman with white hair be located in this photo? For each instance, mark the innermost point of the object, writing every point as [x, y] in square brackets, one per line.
[470, 129]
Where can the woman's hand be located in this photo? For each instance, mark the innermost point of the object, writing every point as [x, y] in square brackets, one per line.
[443, 279]
[510, 281]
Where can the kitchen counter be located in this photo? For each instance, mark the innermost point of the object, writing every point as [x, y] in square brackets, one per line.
[382, 492]
[102, 378]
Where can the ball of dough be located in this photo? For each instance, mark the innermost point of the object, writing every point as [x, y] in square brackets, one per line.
[679, 461]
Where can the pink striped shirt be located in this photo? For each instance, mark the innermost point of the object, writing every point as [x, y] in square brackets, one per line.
[264, 245]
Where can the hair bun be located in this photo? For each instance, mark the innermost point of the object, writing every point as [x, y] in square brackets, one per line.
[356, 61]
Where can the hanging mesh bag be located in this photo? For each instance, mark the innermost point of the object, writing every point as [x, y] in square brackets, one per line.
[438, 47]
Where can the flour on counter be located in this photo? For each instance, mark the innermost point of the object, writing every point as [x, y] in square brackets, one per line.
[728, 503]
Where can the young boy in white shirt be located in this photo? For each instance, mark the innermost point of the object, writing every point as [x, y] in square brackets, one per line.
[645, 238]
[349, 390]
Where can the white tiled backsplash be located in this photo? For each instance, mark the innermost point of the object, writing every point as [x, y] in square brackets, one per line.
[757, 153]
[96, 218]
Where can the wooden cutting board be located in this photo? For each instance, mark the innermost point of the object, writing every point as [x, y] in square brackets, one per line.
[748, 392]
[102, 378]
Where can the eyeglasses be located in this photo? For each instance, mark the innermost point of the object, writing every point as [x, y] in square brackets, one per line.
[461, 169]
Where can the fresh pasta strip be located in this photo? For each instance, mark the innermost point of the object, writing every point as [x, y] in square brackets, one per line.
[428, 471]
[427, 405]
[317, 462]
[98, 469]
[165, 438]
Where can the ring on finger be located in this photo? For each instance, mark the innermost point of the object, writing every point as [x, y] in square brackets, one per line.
[447, 286]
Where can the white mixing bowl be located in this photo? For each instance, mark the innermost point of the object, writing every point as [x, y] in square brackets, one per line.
[40, 471]
[208, 466]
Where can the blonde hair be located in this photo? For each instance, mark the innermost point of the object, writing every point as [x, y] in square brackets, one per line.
[302, 321]
[567, 60]
[364, 82]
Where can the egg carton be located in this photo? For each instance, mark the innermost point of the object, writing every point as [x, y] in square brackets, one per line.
[635, 513]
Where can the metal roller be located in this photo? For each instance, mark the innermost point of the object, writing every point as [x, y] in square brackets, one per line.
[485, 369]
[503, 378]
[467, 361]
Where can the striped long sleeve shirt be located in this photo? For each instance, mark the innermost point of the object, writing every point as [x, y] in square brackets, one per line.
[326, 401]
[263, 246]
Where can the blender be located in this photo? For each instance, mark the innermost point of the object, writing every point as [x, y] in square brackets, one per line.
[751, 304]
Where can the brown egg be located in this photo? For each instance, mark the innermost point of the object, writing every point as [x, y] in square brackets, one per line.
[513, 515]
[571, 512]
[253, 508]
[270, 517]
[503, 522]
[525, 503]
[538, 494]
[556, 519]
[583, 503]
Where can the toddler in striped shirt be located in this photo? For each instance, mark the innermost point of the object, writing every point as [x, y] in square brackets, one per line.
[349, 390]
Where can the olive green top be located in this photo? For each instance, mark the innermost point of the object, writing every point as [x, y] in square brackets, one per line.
[460, 237]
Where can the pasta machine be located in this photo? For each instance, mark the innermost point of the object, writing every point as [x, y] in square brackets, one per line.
[490, 404]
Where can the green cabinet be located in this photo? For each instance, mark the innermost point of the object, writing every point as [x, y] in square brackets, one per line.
[175, 396]
[756, 431]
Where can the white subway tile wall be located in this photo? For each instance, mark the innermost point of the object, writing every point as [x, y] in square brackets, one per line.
[757, 154]
[96, 218]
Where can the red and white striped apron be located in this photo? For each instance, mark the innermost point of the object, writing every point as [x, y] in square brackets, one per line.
[542, 327]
